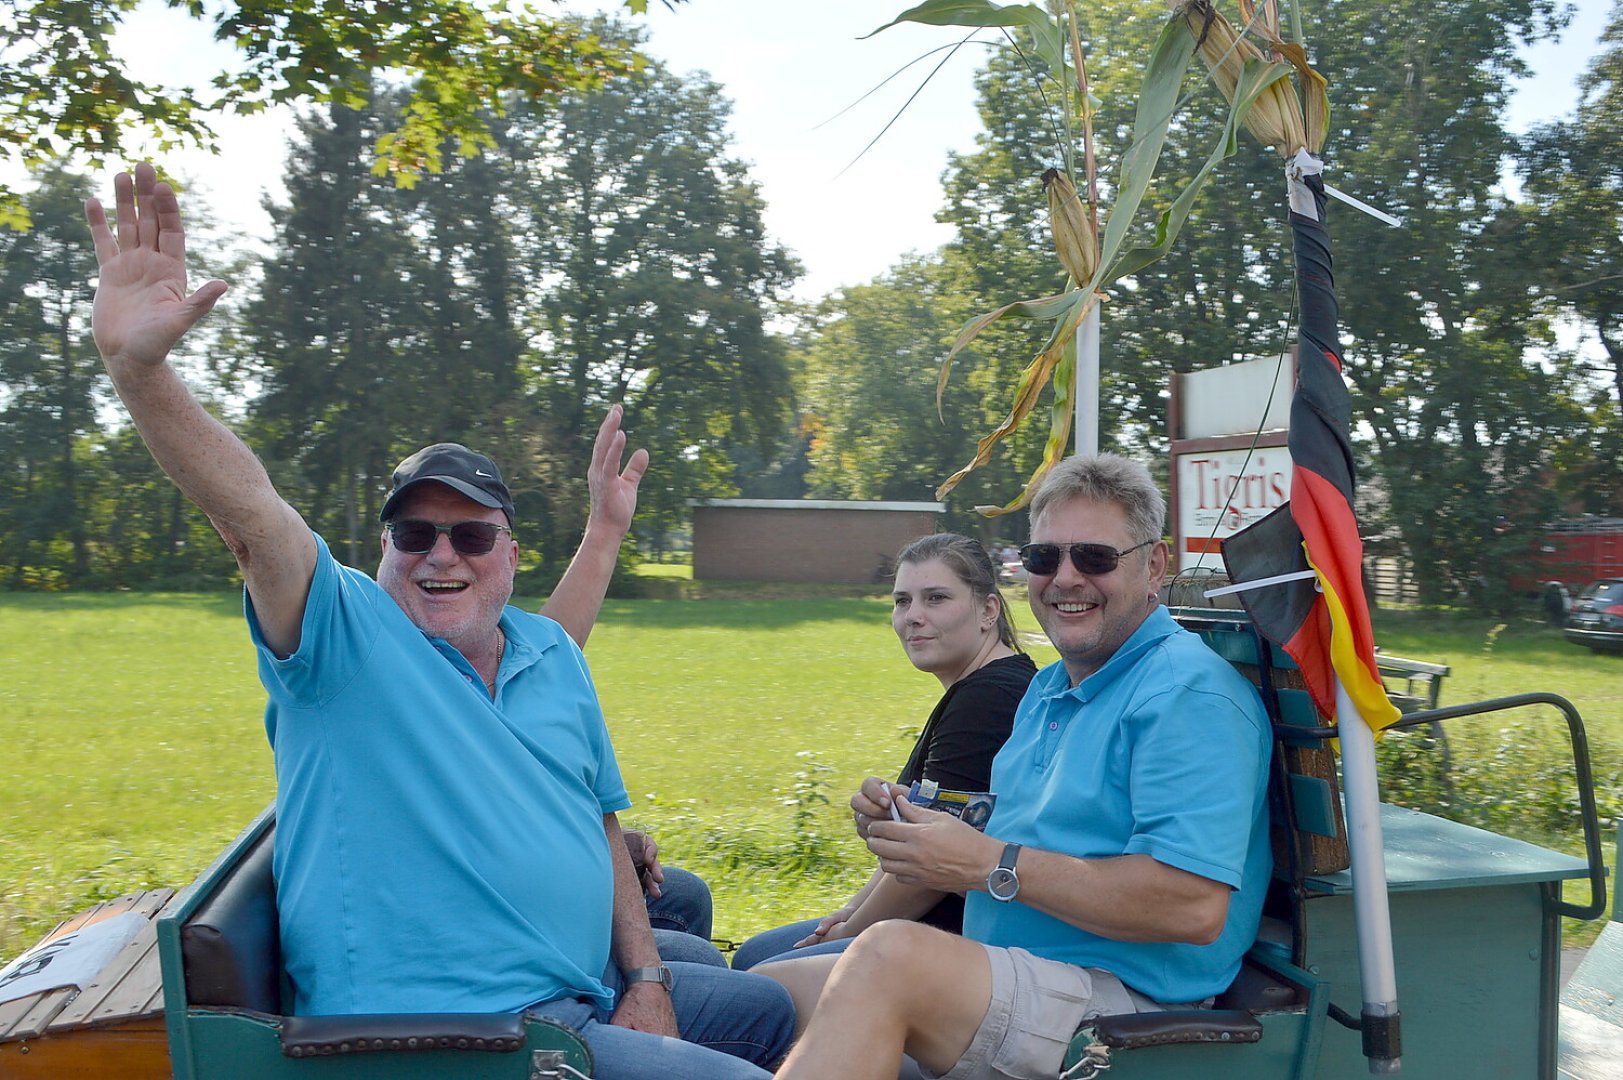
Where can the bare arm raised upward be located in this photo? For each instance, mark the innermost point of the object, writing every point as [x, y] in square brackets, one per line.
[574, 604]
[141, 310]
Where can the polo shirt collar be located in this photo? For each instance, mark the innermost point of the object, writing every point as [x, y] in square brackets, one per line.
[522, 650]
[1157, 626]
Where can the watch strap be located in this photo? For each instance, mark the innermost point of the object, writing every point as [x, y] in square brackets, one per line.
[657, 973]
[1003, 883]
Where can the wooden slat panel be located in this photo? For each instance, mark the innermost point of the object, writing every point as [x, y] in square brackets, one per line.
[29, 1016]
[125, 989]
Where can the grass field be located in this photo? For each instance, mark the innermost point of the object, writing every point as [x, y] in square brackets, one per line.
[132, 747]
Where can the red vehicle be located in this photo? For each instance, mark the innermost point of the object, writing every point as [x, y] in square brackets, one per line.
[1571, 554]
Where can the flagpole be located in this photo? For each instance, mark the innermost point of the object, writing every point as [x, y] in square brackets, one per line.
[1087, 381]
[1371, 914]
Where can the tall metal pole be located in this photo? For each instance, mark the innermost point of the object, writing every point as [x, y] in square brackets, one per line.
[1371, 914]
[1087, 382]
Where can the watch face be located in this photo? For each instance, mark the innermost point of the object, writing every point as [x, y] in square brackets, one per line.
[1002, 883]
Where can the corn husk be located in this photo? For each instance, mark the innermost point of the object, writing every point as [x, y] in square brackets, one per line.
[1277, 117]
[1076, 234]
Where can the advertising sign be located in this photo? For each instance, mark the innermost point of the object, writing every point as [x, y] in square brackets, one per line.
[1220, 492]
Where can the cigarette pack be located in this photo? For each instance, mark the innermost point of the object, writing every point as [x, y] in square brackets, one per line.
[970, 807]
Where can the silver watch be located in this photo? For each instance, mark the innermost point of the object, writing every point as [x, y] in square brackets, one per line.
[658, 973]
[1003, 883]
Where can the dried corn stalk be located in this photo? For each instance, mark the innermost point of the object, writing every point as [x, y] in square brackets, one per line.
[1286, 117]
[1095, 257]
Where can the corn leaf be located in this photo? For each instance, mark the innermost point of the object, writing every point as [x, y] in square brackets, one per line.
[1061, 413]
[1048, 307]
[967, 13]
[1157, 101]
[1257, 77]
[1047, 37]
[1032, 380]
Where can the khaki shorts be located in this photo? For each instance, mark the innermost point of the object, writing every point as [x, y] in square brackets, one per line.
[1036, 1007]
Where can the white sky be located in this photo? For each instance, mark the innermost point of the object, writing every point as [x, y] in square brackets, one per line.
[789, 68]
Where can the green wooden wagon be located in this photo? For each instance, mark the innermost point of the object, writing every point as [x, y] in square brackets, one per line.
[1476, 925]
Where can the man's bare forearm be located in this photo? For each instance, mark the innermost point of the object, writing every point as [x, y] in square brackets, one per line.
[142, 308]
[578, 596]
[216, 470]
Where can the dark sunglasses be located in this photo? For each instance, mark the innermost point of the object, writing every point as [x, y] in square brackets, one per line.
[413, 536]
[1090, 559]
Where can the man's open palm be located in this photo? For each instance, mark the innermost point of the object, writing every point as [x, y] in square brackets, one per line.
[142, 307]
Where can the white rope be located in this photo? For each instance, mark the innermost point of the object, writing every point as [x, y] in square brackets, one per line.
[1277, 579]
[1301, 199]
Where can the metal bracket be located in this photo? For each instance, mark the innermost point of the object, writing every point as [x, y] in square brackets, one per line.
[553, 1065]
[1094, 1060]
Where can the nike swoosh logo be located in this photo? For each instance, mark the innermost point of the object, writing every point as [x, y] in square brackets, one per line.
[483, 473]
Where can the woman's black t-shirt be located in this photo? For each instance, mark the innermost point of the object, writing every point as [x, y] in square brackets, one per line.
[969, 725]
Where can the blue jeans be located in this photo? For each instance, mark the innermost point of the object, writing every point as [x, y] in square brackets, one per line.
[681, 920]
[779, 944]
[734, 1026]
[684, 904]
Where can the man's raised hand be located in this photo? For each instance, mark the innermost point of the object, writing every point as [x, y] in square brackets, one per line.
[142, 307]
[613, 490]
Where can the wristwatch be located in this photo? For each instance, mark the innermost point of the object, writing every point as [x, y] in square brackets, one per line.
[1003, 883]
[658, 973]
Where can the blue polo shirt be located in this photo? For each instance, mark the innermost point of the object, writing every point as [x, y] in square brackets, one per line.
[436, 851]
[1163, 752]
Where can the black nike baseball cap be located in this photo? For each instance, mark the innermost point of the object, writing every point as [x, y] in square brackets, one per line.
[459, 469]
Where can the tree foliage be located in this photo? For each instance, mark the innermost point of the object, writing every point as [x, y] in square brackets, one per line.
[78, 507]
[1573, 176]
[48, 371]
[608, 247]
[610, 251]
[1461, 415]
[64, 89]
[650, 279]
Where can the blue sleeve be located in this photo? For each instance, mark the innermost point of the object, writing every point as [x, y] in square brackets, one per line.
[1198, 777]
[337, 633]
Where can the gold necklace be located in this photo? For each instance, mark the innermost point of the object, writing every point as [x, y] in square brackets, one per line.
[501, 651]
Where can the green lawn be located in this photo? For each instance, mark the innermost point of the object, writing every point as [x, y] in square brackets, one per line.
[133, 747]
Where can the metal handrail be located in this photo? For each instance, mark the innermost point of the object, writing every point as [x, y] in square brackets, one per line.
[1580, 759]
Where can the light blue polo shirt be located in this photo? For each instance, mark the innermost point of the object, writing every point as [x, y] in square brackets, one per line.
[436, 851]
[1163, 752]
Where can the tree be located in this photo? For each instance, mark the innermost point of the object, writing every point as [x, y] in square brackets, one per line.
[49, 371]
[364, 334]
[1573, 175]
[649, 279]
[869, 373]
[610, 251]
[1439, 322]
[65, 90]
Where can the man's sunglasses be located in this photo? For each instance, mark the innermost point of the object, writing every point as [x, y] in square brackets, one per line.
[1090, 559]
[413, 536]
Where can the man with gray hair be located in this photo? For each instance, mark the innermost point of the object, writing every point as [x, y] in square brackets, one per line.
[447, 835]
[1126, 859]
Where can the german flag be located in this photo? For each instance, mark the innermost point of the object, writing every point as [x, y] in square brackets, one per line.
[1327, 630]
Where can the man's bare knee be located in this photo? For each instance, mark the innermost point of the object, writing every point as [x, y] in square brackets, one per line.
[892, 946]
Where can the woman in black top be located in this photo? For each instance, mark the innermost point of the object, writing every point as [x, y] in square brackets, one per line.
[954, 624]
